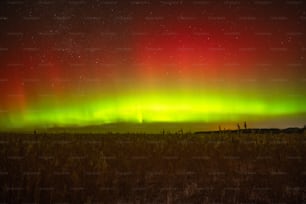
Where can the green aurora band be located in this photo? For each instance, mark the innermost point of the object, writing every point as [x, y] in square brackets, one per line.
[150, 107]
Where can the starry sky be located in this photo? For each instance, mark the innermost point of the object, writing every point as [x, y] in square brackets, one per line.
[81, 62]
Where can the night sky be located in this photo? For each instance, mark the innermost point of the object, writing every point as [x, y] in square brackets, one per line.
[79, 63]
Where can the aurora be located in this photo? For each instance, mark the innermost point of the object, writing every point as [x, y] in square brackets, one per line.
[148, 107]
[200, 63]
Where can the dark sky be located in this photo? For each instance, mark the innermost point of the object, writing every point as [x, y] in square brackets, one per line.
[96, 62]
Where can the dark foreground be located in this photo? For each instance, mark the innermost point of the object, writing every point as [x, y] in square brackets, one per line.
[223, 167]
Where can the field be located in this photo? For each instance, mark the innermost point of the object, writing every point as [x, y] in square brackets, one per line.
[216, 167]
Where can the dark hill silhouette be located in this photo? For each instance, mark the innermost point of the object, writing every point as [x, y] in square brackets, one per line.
[259, 130]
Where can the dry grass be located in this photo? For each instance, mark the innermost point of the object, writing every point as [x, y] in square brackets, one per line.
[170, 168]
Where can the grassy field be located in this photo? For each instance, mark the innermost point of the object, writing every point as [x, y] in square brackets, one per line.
[225, 167]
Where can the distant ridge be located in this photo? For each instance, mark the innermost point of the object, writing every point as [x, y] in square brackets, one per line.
[122, 127]
[259, 130]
